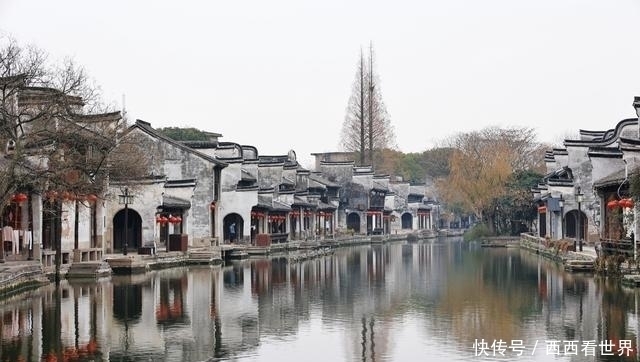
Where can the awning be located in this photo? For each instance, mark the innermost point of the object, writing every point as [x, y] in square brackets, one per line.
[300, 202]
[175, 202]
[325, 207]
[263, 202]
[279, 206]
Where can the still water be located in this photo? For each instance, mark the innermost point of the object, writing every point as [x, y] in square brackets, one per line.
[436, 300]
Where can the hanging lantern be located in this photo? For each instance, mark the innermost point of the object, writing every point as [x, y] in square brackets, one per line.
[172, 219]
[178, 219]
[613, 204]
[92, 198]
[20, 198]
[158, 219]
[622, 203]
[626, 203]
[163, 220]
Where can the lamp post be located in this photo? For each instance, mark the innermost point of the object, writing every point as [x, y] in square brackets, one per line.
[561, 204]
[579, 195]
[125, 199]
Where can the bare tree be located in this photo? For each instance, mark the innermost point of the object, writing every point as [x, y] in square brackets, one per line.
[353, 128]
[55, 136]
[367, 125]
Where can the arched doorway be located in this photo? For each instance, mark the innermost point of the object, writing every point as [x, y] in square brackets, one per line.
[407, 221]
[353, 222]
[133, 230]
[571, 224]
[238, 226]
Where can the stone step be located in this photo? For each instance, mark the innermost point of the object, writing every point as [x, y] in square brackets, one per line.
[89, 269]
[204, 257]
[579, 265]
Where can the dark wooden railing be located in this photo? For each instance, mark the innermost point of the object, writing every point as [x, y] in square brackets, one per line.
[618, 247]
[278, 237]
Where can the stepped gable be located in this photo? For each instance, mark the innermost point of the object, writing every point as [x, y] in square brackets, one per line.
[606, 152]
[146, 128]
[591, 135]
[250, 153]
[229, 152]
[609, 137]
[38, 96]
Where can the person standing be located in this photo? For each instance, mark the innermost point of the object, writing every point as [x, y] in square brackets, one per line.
[232, 232]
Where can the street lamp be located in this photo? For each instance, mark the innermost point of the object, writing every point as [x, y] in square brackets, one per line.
[125, 199]
[578, 195]
[561, 204]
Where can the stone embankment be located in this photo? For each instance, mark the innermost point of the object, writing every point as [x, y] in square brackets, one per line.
[575, 261]
[18, 276]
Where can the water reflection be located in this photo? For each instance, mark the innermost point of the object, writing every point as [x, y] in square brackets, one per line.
[431, 299]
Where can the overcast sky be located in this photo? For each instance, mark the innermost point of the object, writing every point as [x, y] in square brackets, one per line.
[277, 74]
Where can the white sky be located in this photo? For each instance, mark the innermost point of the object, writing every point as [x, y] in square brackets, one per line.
[277, 74]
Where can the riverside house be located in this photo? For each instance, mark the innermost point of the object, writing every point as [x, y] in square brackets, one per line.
[585, 194]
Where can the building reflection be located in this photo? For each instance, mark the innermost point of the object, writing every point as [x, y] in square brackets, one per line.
[54, 324]
[452, 292]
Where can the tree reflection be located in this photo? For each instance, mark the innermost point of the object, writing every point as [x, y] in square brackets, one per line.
[366, 297]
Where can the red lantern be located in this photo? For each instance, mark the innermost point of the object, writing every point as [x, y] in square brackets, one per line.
[172, 219]
[158, 219]
[92, 198]
[178, 219]
[163, 220]
[622, 203]
[20, 198]
[630, 203]
[612, 204]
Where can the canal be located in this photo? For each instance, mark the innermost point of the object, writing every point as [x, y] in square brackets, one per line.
[435, 300]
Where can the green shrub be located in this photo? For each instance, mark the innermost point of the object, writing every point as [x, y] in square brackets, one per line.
[477, 232]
